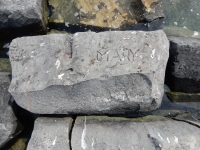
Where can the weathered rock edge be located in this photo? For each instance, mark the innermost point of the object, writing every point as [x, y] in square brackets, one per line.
[51, 133]
[9, 124]
[100, 78]
[22, 18]
[151, 132]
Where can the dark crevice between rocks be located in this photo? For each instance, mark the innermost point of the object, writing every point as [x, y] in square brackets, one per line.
[3, 50]
[71, 130]
[21, 138]
[198, 126]
[155, 142]
[18, 130]
[157, 24]
[29, 30]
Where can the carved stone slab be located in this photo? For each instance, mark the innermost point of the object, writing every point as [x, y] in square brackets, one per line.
[109, 72]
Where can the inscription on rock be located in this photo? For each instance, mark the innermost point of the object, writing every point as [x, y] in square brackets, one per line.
[116, 55]
[109, 72]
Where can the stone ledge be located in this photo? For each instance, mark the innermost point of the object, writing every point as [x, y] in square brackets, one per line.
[183, 97]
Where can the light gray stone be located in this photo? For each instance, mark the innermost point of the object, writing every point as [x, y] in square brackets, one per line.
[15, 14]
[8, 121]
[50, 134]
[151, 132]
[109, 72]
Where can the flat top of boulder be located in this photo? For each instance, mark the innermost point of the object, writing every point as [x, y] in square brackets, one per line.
[50, 133]
[150, 118]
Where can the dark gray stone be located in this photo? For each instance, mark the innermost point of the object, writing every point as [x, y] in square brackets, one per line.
[149, 132]
[183, 68]
[8, 121]
[100, 78]
[22, 17]
[50, 134]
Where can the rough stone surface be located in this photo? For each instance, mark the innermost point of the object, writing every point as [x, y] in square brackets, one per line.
[104, 13]
[50, 134]
[18, 17]
[8, 121]
[145, 133]
[101, 76]
[183, 68]
[183, 97]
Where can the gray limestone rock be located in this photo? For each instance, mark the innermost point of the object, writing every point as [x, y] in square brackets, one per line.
[8, 121]
[50, 134]
[19, 17]
[183, 68]
[109, 72]
[151, 132]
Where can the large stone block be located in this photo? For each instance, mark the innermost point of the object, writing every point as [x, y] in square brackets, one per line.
[99, 132]
[105, 13]
[183, 68]
[22, 17]
[109, 72]
[9, 125]
[50, 134]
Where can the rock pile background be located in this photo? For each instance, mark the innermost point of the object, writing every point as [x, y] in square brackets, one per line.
[55, 73]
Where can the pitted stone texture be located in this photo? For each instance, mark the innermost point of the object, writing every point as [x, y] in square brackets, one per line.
[35, 61]
[183, 68]
[151, 132]
[50, 134]
[8, 121]
[15, 14]
[109, 72]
